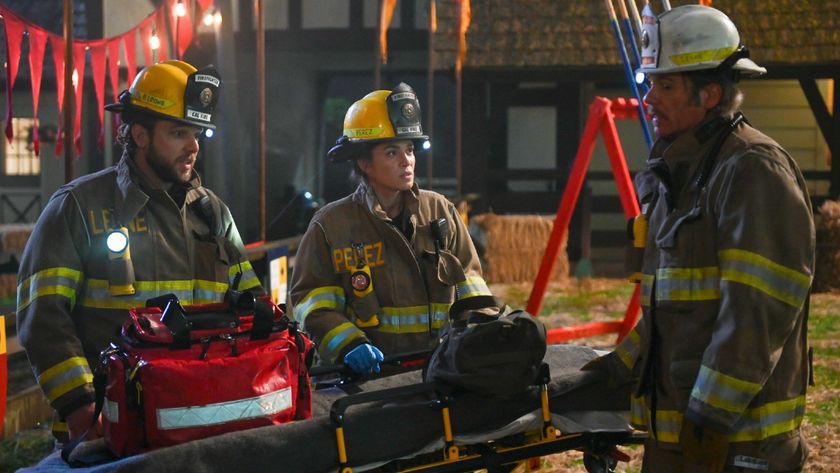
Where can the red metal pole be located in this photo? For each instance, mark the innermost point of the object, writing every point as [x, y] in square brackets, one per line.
[597, 111]
[618, 163]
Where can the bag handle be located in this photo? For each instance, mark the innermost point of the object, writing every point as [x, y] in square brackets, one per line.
[100, 379]
[470, 304]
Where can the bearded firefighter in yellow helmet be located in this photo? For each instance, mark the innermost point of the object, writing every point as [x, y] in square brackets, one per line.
[377, 271]
[110, 240]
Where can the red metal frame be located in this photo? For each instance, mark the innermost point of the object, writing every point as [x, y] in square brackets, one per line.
[4, 372]
[602, 115]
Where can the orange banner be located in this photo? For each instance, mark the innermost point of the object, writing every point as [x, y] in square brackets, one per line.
[433, 16]
[4, 372]
[463, 26]
[385, 15]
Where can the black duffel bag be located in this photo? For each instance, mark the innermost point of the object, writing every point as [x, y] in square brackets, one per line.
[497, 354]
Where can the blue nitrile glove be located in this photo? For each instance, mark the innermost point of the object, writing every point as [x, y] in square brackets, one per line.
[364, 359]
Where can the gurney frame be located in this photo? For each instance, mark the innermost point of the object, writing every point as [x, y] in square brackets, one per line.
[496, 456]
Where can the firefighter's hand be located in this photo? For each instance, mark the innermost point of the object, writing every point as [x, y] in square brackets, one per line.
[81, 421]
[364, 359]
[703, 446]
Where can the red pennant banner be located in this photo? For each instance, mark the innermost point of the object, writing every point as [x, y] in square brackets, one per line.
[145, 39]
[57, 45]
[205, 4]
[14, 33]
[114, 67]
[97, 67]
[15, 27]
[37, 47]
[181, 27]
[160, 31]
[79, 50]
[129, 39]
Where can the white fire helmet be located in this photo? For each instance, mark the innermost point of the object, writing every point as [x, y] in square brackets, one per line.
[692, 38]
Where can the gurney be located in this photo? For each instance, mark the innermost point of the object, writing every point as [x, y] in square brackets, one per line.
[396, 424]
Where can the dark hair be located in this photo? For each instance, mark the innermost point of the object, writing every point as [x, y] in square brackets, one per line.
[364, 152]
[731, 96]
[124, 137]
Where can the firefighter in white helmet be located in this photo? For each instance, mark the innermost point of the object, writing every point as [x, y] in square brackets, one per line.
[377, 271]
[110, 240]
[720, 356]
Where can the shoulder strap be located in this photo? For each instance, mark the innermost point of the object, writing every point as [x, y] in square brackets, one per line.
[210, 211]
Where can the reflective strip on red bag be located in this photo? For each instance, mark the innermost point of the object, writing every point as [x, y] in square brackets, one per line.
[222, 412]
[111, 410]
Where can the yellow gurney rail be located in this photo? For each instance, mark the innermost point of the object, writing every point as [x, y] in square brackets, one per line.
[496, 456]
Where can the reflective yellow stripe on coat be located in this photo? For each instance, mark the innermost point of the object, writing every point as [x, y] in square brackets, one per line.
[777, 281]
[473, 286]
[64, 377]
[189, 291]
[49, 282]
[756, 424]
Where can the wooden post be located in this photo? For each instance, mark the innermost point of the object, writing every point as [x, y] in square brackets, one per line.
[69, 92]
[258, 9]
[430, 96]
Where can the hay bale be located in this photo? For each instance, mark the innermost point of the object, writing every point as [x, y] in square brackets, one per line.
[13, 236]
[513, 247]
[827, 273]
[8, 286]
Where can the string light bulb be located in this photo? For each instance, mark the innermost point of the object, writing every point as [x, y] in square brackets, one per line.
[180, 9]
[212, 17]
[154, 41]
[208, 17]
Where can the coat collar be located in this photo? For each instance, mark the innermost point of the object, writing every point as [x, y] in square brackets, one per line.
[134, 188]
[365, 195]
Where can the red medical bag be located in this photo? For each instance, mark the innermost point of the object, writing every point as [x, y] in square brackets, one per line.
[207, 370]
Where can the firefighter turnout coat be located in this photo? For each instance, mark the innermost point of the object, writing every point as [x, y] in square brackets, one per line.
[726, 275]
[400, 306]
[66, 310]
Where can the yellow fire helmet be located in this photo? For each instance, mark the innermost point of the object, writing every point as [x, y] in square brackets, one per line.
[172, 90]
[693, 38]
[382, 115]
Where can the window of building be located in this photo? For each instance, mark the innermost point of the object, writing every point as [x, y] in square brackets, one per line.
[325, 14]
[19, 157]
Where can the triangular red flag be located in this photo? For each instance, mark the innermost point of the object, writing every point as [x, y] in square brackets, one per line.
[79, 50]
[97, 68]
[114, 67]
[57, 45]
[182, 27]
[14, 33]
[37, 46]
[160, 31]
[130, 40]
[145, 37]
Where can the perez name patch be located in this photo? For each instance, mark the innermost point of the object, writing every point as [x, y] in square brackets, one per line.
[344, 259]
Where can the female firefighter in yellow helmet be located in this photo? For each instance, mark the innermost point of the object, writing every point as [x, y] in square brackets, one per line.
[377, 271]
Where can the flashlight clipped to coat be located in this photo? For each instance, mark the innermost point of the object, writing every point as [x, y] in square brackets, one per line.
[120, 267]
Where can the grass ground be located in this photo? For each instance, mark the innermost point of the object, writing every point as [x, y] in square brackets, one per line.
[604, 299]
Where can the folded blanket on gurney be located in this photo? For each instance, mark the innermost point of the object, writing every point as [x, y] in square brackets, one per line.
[378, 432]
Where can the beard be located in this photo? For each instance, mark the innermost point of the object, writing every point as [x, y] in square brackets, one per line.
[166, 171]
